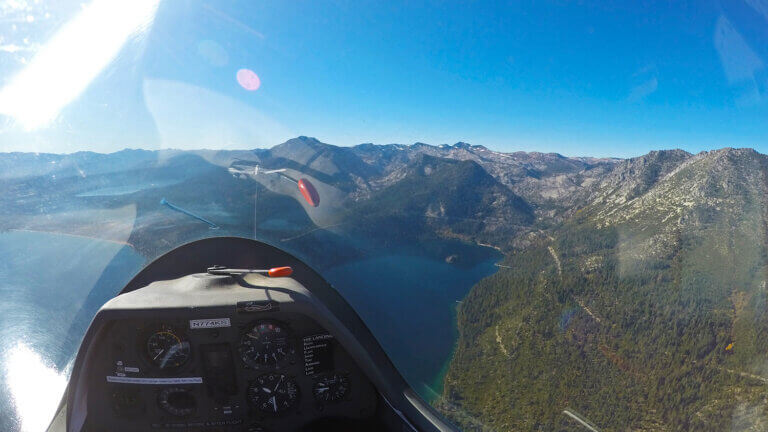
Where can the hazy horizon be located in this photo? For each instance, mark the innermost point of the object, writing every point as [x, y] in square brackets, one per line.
[192, 149]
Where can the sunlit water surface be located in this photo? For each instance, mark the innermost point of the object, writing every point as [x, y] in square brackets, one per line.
[51, 285]
[35, 387]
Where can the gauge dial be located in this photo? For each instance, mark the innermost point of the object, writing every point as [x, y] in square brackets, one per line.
[266, 344]
[177, 401]
[127, 402]
[331, 387]
[167, 350]
[273, 393]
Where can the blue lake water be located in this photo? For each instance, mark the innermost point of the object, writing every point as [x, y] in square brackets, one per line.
[408, 300]
[277, 224]
[126, 189]
[52, 284]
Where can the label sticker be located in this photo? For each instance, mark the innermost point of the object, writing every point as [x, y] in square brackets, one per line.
[318, 353]
[209, 323]
[196, 425]
[154, 381]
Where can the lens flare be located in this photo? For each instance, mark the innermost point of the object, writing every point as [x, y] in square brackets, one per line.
[248, 79]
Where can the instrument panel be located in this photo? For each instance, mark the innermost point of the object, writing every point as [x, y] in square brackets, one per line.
[202, 370]
[234, 349]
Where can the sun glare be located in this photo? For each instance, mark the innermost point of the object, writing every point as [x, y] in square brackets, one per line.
[72, 58]
[26, 374]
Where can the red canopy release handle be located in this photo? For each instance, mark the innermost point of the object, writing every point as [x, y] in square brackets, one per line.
[280, 272]
[273, 272]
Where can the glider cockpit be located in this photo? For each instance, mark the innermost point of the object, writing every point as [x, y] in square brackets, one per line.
[203, 340]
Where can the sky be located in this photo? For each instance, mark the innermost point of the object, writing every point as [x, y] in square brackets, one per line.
[581, 78]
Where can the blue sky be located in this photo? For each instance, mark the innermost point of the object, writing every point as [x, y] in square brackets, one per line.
[579, 78]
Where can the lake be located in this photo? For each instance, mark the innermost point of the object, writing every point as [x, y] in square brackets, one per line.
[126, 189]
[52, 284]
[408, 300]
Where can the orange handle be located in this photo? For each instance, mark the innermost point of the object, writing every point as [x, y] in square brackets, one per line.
[280, 272]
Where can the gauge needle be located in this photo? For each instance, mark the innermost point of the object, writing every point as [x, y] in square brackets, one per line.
[274, 403]
[158, 354]
[266, 390]
[173, 350]
[278, 382]
[322, 389]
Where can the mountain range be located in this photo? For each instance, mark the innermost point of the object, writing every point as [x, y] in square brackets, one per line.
[632, 293]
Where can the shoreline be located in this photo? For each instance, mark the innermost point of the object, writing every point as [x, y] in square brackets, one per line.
[437, 386]
[124, 243]
[490, 246]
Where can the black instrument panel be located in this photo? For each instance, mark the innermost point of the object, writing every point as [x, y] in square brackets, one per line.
[165, 353]
[203, 370]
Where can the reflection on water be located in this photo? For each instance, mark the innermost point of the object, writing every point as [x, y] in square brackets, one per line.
[35, 385]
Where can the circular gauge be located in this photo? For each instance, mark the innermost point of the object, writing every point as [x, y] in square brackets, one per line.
[167, 350]
[331, 387]
[266, 344]
[177, 401]
[127, 402]
[273, 393]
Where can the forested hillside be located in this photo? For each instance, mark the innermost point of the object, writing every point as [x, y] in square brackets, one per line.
[645, 310]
